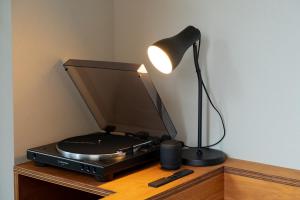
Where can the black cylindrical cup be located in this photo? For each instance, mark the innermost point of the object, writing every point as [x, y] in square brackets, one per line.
[170, 154]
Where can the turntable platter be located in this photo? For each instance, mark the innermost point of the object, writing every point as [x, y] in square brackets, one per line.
[96, 146]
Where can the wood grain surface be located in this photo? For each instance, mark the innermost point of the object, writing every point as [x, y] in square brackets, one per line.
[211, 189]
[244, 188]
[242, 180]
[62, 177]
[263, 171]
[135, 186]
[199, 182]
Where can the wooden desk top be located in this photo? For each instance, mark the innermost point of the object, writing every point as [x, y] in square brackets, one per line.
[134, 185]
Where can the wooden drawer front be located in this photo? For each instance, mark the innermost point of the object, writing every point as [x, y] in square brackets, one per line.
[211, 189]
[245, 188]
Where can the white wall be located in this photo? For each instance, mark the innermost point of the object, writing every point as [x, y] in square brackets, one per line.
[47, 107]
[6, 101]
[250, 54]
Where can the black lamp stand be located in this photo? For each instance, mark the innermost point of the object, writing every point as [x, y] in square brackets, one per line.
[201, 156]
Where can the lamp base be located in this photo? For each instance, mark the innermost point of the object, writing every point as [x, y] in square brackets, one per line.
[195, 156]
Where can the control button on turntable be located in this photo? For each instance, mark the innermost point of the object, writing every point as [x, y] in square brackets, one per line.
[87, 168]
[81, 167]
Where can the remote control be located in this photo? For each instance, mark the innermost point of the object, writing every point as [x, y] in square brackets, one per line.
[171, 178]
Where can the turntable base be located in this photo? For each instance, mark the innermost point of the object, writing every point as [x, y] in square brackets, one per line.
[99, 154]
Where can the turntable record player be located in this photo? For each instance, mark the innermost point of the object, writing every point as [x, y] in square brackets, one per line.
[131, 117]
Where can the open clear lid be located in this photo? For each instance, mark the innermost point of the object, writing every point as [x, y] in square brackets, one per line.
[120, 98]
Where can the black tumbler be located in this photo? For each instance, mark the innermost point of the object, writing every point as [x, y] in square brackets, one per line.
[170, 154]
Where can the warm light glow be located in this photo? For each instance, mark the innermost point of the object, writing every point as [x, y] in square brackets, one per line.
[142, 69]
[160, 60]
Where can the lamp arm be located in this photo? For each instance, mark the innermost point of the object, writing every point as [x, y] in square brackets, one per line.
[198, 71]
[201, 86]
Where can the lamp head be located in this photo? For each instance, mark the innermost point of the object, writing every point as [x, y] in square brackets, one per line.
[167, 53]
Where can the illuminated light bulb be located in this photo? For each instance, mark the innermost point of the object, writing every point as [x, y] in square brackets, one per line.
[160, 60]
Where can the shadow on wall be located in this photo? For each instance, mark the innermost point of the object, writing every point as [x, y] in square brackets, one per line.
[52, 126]
[218, 71]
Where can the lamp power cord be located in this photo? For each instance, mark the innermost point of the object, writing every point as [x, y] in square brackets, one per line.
[210, 100]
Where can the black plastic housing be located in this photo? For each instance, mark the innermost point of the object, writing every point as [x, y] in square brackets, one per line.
[102, 170]
[176, 46]
[170, 154]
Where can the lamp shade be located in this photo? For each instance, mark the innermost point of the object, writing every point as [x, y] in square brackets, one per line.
[167, 53]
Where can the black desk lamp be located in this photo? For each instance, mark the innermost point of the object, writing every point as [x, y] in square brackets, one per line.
[165, 55]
